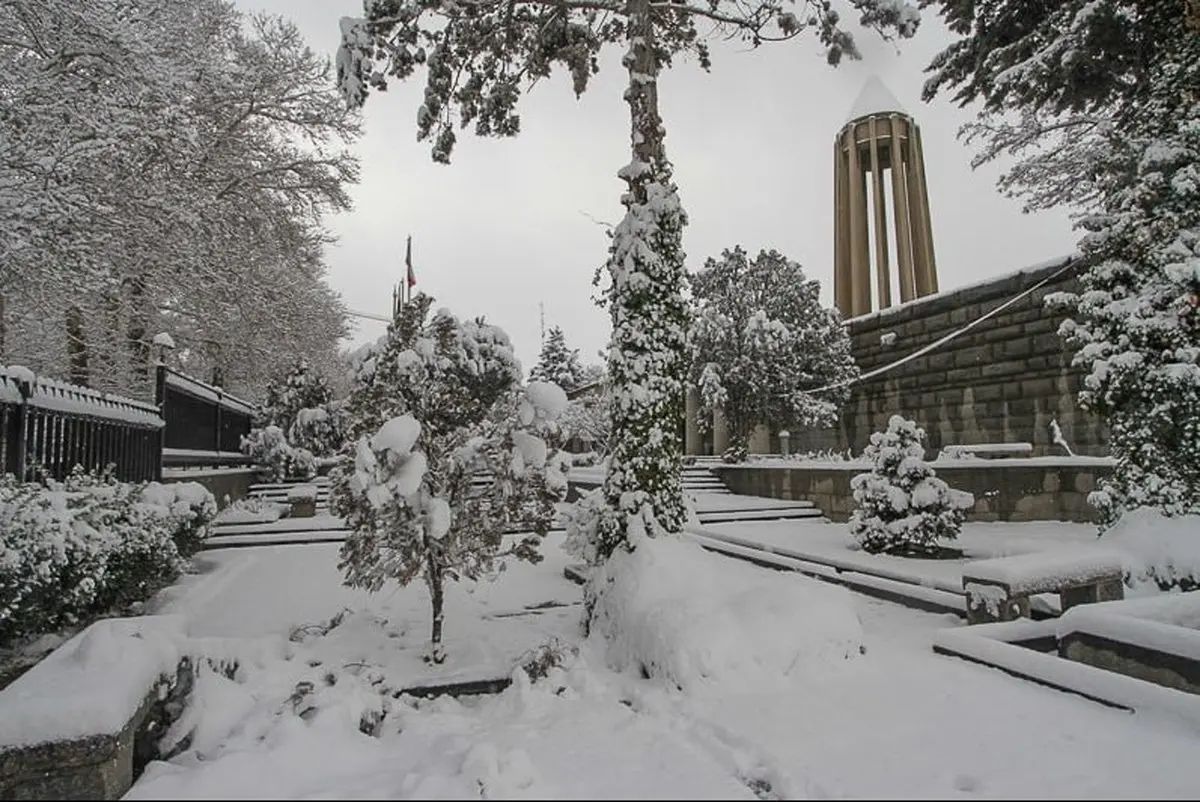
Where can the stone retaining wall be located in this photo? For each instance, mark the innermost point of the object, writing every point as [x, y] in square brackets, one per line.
[1004, 381]
[233, 483]
[1004, 490]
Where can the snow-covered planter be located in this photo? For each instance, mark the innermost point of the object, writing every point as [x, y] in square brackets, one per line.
[269, 447]
[1162, 552]
[903, 508]
[73, 550]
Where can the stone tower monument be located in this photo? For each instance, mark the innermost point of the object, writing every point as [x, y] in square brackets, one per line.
[880, 138]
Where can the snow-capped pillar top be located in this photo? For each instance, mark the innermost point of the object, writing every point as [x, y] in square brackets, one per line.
[875, 98]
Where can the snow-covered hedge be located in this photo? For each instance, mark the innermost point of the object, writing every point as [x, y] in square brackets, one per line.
[903, 508]
[270, 447]
[77, 549]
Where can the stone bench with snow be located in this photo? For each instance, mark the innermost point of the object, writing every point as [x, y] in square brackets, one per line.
[303, 499]
[999, 589]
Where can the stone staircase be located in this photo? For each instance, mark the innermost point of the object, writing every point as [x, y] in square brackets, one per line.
[277, 492]
[698, 478]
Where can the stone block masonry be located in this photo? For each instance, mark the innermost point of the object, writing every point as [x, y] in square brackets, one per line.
[1003, 381]
[1046, 489]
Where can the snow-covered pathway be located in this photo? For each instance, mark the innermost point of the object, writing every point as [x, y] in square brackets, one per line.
[899, 721]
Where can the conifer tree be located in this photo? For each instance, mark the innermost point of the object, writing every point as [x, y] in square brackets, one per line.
[1101, 102]
[903, 508]
[558, 363]
[441, 406]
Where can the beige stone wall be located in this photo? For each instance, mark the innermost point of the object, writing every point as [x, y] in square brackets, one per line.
[1002, 493]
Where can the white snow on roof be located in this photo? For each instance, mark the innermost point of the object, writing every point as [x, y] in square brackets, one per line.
[874, 99]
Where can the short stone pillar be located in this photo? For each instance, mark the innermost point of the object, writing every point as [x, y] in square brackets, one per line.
[784, 445]
[303, 500]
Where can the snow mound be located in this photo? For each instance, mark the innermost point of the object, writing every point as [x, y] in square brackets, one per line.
[1157, 548]
[677, 612]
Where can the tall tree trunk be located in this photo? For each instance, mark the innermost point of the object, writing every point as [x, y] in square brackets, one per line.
[135, 331]
[77, 350]
[435, 577]
[646, 360]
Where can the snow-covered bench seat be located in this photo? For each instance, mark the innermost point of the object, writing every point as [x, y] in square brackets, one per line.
[70, 726]
[999, 589]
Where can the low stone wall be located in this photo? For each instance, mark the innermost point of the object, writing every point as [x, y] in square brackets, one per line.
[226, 484]
[1162, 668]
[1044, 489]
[82, 723]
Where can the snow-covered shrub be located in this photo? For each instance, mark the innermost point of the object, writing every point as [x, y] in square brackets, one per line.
[319, 430]
[903, 508]
[1161, 551]
[300, 388]
[191, 508]
[301, 493]
[271, 449]
[79, 548]
[586, 423]
[735, 454]
[251, 510]
[442, 406]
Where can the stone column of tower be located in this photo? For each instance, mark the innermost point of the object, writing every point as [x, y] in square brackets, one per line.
[880, 144]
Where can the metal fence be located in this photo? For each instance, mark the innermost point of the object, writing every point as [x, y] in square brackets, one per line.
[204, 424]
[54, 426]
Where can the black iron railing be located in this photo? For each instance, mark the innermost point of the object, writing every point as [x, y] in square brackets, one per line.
[204, 424]
[55, 426]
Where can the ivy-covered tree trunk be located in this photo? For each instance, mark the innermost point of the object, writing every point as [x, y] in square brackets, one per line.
[646, 360]
[77, 348]
[434, 575]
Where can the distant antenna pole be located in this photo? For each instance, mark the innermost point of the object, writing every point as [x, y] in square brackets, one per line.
[542, 316]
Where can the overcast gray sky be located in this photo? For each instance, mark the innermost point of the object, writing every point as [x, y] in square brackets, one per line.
[505, 227]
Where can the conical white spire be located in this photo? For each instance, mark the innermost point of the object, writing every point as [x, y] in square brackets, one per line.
[875, 98]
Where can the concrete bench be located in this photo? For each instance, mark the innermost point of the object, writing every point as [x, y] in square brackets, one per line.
[999, 589]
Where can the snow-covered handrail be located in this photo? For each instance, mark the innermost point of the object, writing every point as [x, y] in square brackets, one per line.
[1071, 262]
[21, 386]
[194, 387]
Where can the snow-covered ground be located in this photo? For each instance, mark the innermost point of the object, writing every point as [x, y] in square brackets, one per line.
[897, 721]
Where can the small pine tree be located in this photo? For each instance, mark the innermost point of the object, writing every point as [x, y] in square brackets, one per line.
[441, 407]
[903, 507]
[301, 388]
[558, 363]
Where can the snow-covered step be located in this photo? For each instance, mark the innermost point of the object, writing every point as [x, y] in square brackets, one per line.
[798, 514]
